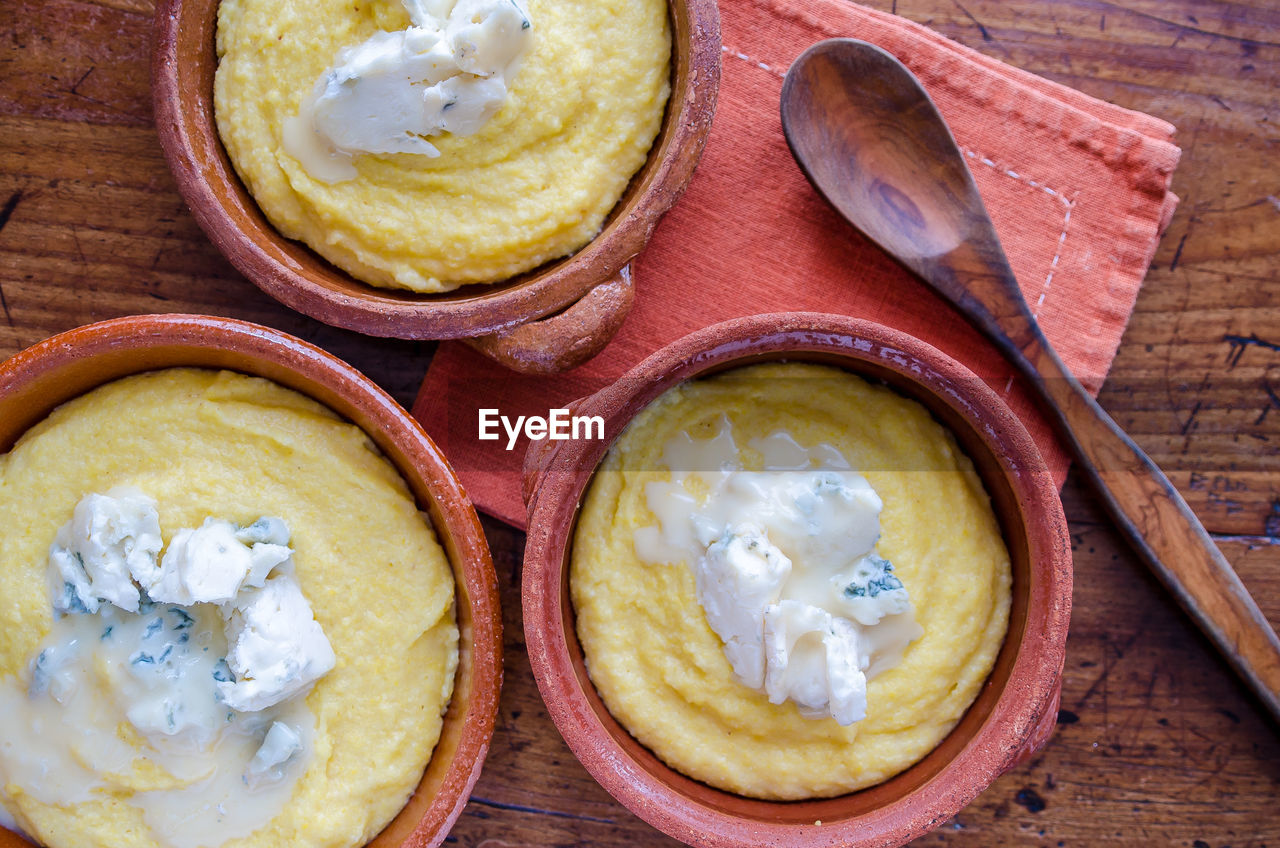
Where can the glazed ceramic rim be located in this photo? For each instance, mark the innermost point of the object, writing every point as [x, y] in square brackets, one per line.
[182, 96]
[1015, 726]
[81, 359]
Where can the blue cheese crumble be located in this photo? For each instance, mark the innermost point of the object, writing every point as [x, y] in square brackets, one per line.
[281, 744]
[275, 647]
[106, 549]
[785, 567]
[447, 73]
[205, 653]
[212, 563]
[742, 559]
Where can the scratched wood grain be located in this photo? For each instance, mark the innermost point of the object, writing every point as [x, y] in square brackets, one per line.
[1156, 743]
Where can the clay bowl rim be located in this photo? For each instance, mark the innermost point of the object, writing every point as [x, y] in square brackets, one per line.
[36, 380]
[1011, 717]
[297, 276]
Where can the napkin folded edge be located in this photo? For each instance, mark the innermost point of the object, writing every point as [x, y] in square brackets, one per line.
[816, 15]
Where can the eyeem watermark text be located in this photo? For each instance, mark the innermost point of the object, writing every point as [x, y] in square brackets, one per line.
[559, 425]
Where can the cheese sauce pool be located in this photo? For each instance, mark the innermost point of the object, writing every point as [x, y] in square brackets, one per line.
[66, 751]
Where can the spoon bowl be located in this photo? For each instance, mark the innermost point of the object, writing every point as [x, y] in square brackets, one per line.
[918, 209]
[870, 140]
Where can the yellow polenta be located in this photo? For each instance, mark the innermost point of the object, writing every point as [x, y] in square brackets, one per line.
[533, 185]
[206, 443]
[660, 668]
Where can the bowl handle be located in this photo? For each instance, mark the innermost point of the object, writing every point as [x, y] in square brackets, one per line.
[1041, 733]
[567, 339]
[538, 460]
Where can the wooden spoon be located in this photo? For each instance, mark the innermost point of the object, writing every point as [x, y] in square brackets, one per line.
[871, 141]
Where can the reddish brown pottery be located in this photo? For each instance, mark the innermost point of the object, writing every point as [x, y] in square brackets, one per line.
[591, 290]
[1014, 713]
[58, 369]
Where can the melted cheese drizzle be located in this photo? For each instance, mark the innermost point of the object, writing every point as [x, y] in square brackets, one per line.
[785, 565]
[186, 707]
[70, 728]
[447, 73]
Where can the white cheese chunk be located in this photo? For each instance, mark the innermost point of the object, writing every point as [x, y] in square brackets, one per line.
[52, 671]
[871, 591]
[280, 744]
[389, 94]
[276, 648]
[815, 516]
[813, 660]
[267, 529]
[487, 36]
[375, 99]
[210, 564]
[111, 541]
[741, 575]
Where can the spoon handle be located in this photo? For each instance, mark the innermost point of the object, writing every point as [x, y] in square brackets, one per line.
[869, 138]
[1162, 529]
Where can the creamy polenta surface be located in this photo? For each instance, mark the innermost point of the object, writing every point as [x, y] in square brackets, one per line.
[534, 184]
[661, 669]
[206, 443]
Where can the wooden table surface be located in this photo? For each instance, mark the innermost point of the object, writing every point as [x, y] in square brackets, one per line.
[1157, 744]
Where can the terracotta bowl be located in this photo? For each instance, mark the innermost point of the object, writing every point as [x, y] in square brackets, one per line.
[593, 285]
[40, 378]
[1014, 712]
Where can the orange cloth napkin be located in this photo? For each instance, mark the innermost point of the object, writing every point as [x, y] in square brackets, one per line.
[1078, 189]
